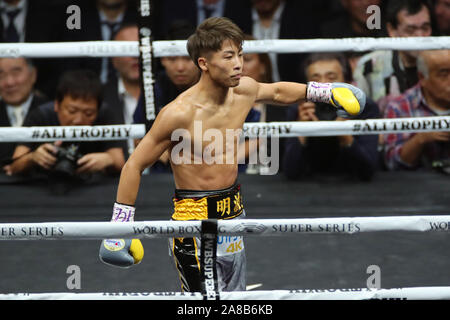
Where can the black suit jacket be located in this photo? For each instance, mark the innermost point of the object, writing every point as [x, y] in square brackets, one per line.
[7, 148]
[91, 31]
[168, 11]
[44, 22]
[298, 21]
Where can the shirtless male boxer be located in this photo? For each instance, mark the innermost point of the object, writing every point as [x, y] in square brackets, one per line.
[220, 100]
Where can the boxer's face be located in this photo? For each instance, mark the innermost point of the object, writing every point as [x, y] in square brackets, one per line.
[17, 80]
[76, 112]
[224, 66]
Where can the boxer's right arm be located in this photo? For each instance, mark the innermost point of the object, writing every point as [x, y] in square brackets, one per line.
[127, 252]
[148, 151]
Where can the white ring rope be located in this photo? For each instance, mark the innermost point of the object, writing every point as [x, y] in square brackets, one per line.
[178, 48]
[247, 227]
[414, 293]
[280, 129]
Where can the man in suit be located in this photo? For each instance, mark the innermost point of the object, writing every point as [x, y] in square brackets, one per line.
[195, 11]
[100, 20]
[35, 21]
[122, 92]
[17, 80]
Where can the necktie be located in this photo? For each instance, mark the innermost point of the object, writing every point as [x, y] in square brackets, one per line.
[19, 117]
[113, 27]
[208, 11]
[11, 34]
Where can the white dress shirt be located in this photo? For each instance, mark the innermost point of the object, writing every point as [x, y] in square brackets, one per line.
[272, 32]
[16, 114]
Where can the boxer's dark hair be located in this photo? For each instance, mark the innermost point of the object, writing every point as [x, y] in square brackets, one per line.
[80, 84]
[210, 35]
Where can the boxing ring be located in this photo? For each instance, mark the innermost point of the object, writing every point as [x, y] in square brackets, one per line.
[151, 230]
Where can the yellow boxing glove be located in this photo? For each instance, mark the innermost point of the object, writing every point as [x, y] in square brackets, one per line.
[348, 99]
[122, 252]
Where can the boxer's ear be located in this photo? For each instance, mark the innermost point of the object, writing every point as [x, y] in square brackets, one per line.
[203, 64]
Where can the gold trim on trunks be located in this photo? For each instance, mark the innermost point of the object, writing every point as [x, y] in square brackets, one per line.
[190, 209]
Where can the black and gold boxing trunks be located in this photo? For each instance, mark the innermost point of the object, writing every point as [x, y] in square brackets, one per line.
[230, 256]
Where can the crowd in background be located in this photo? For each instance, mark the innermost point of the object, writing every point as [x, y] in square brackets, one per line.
[97, 91]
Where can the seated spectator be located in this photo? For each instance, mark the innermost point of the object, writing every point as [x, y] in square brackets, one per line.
[78, 101]
[123, 91]
[17, 80]
[354, 156]
[442, 14]
[386, 74]
[179, 73]
[353, 23]
[431, 97]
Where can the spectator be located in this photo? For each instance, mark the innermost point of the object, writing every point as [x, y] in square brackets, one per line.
[353, 23]
[356, 156]
[100, 20]
[384, 74]
[431, 97]
[195, 11]
[78, 101]
[179, 73]
[34, 21]
[283, 19]
[17, 80]
[442, 14]
[123, 91]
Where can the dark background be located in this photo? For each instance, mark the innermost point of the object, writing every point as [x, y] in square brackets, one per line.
[318, 261]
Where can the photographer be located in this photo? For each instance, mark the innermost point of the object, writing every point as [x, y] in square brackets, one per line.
[353, 156]
[78, 102]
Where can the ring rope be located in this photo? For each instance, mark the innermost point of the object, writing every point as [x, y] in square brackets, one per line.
[178, 48]
[280, 129]
[247, 227]
[413, 293]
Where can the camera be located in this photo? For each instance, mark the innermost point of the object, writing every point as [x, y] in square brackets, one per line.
[67, 157]
[325, 112]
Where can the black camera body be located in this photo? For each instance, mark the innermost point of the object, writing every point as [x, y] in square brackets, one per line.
[325, 111]
[67, 157]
